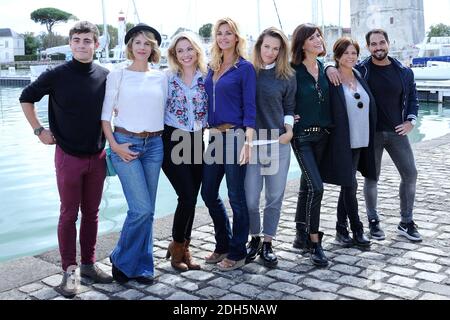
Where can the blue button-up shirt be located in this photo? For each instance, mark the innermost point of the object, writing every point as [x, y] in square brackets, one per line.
[187, 106]
[232, 99]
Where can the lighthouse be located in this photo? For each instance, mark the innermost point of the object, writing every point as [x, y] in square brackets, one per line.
[121, 31]
[402, 19]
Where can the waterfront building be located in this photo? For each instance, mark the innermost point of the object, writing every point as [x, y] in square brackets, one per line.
[11, 44]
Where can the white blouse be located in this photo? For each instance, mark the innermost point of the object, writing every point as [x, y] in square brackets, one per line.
[141, 101]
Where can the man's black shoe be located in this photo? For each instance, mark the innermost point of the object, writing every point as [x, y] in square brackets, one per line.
[409, 230]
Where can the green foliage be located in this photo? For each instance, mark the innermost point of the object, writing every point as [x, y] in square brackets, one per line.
[439, 30]
[27, 57]
[32, 43]
[53, 40]
[51, 16]
[113, 34]
[205, 31]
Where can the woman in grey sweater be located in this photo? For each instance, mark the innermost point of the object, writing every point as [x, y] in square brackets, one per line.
[275, 103]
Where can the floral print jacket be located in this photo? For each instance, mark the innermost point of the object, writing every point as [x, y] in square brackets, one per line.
[187, 107]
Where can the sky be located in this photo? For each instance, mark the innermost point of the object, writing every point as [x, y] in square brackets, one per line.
[168, 15]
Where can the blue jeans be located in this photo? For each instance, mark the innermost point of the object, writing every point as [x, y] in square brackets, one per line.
[402, 155]
[228, 241]
[133, 254]
[277, 156]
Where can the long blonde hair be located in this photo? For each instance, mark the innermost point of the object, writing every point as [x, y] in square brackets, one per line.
[174, 64]
[283, 67]
[216, 52]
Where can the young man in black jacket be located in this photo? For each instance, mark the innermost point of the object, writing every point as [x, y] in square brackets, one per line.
[76, 90]
[394, 89]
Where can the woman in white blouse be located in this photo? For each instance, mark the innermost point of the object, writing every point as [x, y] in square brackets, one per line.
[136, 96]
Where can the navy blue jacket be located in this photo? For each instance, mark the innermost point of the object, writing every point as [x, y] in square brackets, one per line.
[336, 166]
[410, 102]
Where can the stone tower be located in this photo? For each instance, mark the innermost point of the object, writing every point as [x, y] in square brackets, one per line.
[402, 19]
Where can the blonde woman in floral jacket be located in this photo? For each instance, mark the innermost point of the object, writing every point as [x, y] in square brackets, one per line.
[185, 119]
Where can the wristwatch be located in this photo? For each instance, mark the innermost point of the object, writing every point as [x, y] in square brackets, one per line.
[413, 121]
[38, 131]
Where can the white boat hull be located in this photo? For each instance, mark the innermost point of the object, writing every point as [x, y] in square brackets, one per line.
[432, 73]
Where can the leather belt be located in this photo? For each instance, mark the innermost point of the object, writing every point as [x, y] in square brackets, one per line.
[314, 129]
[144, 134]
[222, 128]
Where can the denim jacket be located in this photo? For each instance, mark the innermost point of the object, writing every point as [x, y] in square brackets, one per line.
[410, 102]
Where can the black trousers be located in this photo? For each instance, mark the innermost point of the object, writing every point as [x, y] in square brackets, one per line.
[348, 203]
[309, 149]
[185, 177]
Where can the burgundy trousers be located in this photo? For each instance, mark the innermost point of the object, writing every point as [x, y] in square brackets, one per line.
[80, 185]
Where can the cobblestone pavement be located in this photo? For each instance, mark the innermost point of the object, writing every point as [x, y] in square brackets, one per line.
[391, 269]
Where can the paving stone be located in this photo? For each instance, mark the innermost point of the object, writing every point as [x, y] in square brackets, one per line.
[317, 295]
[431, 296]
[93, 295]
[354, 281]
[246, 290]
[359, 293]
[222, 283]
[400, 270]
[345, 259]
[160, 290]
[188, 286]
[130, 294]
[406, 245]
[433, 267]
[396, 291]
[197, 275]
[109, 287]
[342, 268]
[170, 279]
[444, 261]
[400, 261]
[233, 296]
[435, 288]
[372, 256]
[403, 281]
[284, 276]
[257, 280]
[13, 295]
[53, 281]
[421, 256]
[212, 292]
[182, 296]
[325, 274]
[31, 288]
[270, 295]
[285, 287]
[45, 294]
[320, 285]
[434, 251]
[430, 276]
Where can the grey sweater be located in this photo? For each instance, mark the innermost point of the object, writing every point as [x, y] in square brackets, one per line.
[275, 99]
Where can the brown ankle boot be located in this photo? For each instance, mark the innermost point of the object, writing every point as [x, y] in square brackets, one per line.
[176, 251]
[187, 258]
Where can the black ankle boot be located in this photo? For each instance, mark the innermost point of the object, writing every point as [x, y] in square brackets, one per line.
[318, 257]
[359, 237]
[342, 235]
[253, 248]
[301, 237]
[269, 258]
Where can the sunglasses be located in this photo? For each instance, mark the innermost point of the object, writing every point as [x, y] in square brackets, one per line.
[319, 92]
[357, 96]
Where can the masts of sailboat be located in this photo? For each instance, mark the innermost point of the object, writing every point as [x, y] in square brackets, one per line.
[105, 31]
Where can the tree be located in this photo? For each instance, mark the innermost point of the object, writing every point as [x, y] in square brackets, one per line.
[205, 31]
[113, 34]
[50, 17]
[439, 30]
[32, 43]
[53, 40]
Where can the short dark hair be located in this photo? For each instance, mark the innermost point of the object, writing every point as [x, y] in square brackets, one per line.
[375, 31]
[84, 27]
[301, 34]
[342, 45]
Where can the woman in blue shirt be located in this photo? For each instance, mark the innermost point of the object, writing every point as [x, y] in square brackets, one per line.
[185, 119]
[231, 88]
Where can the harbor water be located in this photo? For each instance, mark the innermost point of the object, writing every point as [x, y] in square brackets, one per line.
[29, 201]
